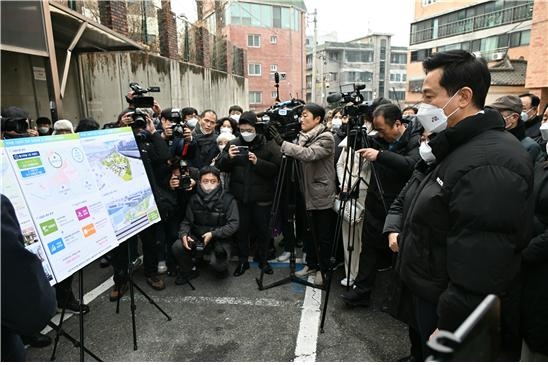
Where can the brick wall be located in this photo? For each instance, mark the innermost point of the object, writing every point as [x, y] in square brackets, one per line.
[537, 76]
[168, 31]
[113, 14]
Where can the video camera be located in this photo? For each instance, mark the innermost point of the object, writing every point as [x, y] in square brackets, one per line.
[355, 105]
[284, 116]
[139, 100]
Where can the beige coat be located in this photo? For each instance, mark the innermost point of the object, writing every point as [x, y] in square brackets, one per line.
[315, 151]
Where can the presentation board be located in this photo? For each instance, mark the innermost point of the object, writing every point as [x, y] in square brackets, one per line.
[77, 196]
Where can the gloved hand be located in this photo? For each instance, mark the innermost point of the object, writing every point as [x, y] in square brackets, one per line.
[275, 135]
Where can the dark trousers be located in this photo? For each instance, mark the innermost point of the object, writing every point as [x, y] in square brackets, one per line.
[321, 228]
[253, 219]
[218, 260]
[292, 217]
[150, 243]
[427, 321]
[374, 252]
[119, 260]
[63, 291]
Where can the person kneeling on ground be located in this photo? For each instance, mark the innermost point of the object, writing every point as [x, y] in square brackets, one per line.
[211, 218]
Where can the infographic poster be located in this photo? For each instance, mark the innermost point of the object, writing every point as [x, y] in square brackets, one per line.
[10, 188]
[61, 193]
[121, 178]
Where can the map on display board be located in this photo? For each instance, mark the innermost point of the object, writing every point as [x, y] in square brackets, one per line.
[56, 188]
[121, 179]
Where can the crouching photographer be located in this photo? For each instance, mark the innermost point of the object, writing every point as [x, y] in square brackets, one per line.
[211, 218]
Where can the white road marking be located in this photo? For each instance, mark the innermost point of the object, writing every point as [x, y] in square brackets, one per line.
[307, 338]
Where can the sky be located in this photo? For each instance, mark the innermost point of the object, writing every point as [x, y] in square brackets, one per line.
[351, 19]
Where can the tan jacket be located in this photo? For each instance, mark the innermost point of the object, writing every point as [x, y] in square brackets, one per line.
[315, 150]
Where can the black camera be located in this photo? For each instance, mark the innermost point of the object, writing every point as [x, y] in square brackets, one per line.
[197, 246]
[243, 151]
[139, 100]
[184, 178]
[284, 117]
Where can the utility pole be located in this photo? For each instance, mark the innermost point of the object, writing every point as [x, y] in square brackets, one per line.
[313, 97]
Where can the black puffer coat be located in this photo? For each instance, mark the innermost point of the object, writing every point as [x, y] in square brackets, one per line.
[248, 182]
[465, 222]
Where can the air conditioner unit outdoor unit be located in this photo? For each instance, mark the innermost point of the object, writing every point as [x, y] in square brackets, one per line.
[497, 56]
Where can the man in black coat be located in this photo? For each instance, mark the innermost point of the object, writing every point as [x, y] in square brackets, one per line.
[253, 164]
[28, 300]
[461, 229]
[394, 152]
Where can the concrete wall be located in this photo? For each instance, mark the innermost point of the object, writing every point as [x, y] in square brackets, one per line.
[106, 76]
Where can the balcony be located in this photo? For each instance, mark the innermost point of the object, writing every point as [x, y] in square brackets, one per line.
[494, 19]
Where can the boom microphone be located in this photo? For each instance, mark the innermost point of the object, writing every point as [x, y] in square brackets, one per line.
[335, 97]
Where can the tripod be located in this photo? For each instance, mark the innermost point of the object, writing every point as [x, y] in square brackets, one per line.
[59, 328]
[295, 177]
[132, 286]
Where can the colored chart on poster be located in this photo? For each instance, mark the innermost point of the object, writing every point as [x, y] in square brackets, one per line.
[61, 193]
[10, 188]
[121, 178]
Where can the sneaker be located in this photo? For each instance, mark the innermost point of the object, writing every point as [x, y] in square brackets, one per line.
[284, 256]
[357, 297]
[73, 306]
[344, 282]
[318, 279]
[156, 282]
[305, 271]
[162, 268]
[115, 293]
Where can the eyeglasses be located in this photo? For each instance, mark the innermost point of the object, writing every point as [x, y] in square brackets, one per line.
[211, 181]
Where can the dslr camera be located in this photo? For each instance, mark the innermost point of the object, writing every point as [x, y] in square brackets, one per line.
[243, 151]
[197, 246]
[184, 178]
[139, 100]
[284, 116]
[178, 126]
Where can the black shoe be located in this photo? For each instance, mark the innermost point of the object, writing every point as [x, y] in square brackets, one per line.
[104, 262]
[267, 269]
[356, 298]
[36, 340]
[73, 306]
[242, 267]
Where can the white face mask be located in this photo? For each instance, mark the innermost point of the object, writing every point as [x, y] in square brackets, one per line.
[336, 123]
[524, 116]
[248, 136]
[236, 117]
[225, 130]
[43, 130]
[192, 122]
[208, 188]
[544, 131]
[432, 118]
[426, 153]
[221, 147]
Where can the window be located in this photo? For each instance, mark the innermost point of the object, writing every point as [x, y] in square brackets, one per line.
[273, 39]
[357, 76]
[273, 68]
[398, 58]
[255, 97]
[274, 94]
[420, 55]
[277, 17]
[254, 69]
[332, 76]
[359, 56]
[415, 86]
[253, 40]
[396, 95]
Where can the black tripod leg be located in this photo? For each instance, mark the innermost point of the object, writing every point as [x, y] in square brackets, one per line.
[151, 300]
[74, 341]
[60, 326]
[81, 296]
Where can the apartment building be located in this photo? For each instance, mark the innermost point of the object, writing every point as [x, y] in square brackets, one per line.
[499, 31]
[273, 34]
[370, 60]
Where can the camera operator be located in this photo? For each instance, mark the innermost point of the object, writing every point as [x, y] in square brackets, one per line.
[253, 164]
[314, 150]
[394, 152]
[177, 134]
[154, 154]
[211, 218]
[16, 124]
[206, 139]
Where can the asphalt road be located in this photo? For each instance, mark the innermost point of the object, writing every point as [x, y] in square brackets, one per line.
[230, 320]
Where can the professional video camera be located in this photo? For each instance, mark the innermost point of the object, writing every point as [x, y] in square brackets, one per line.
[178, 126]
[138, 99]
[284, 117]
[354, 103]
